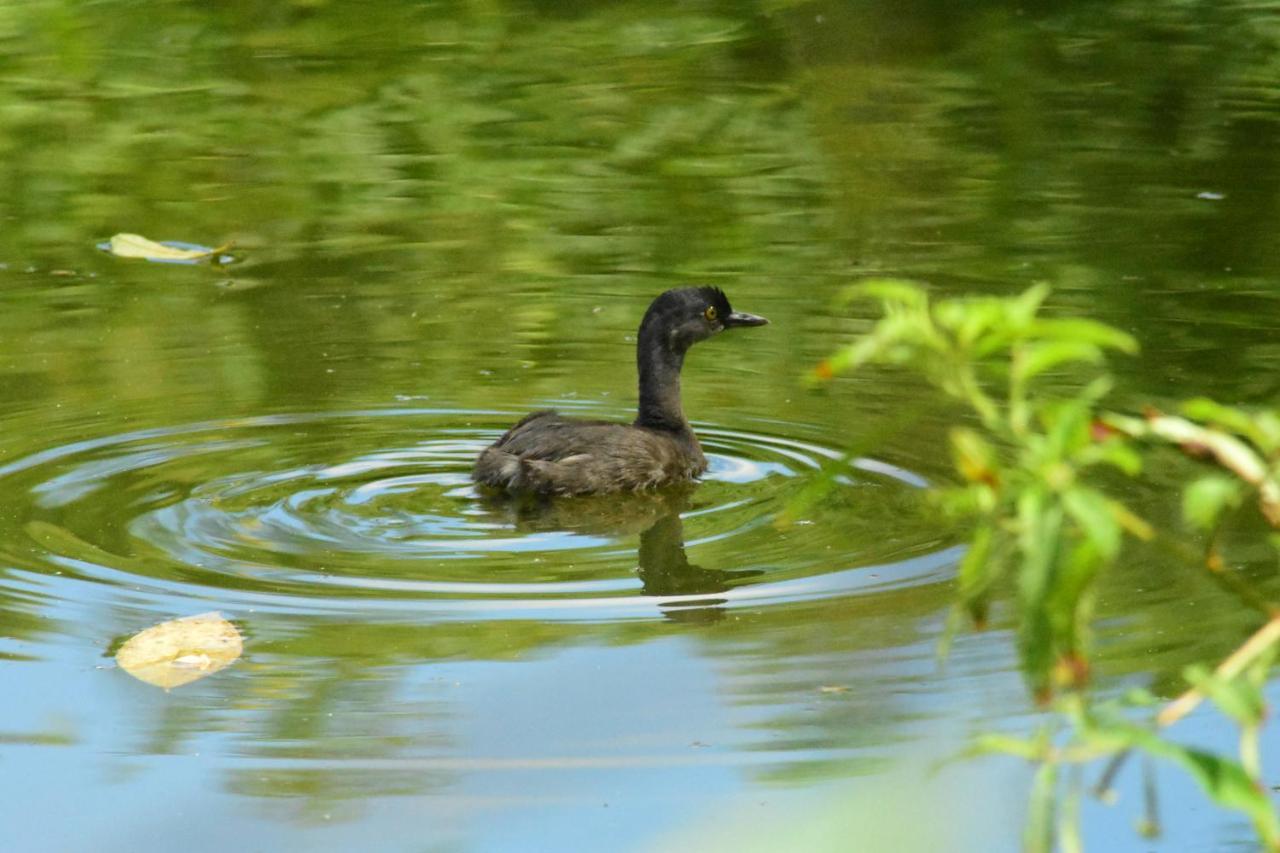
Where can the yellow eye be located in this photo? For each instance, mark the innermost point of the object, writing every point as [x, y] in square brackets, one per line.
[710, 313]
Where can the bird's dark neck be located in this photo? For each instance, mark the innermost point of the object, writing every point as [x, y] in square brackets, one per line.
[659, 366]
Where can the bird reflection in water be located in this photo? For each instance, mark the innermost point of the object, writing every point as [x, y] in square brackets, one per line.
[688, 593]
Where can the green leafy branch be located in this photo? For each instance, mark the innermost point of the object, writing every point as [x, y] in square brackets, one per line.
[1244, 445]
[1023, 486]
[1235, 687]
[1027, 489]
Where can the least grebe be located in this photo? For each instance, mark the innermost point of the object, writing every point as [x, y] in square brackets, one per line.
[548, 454]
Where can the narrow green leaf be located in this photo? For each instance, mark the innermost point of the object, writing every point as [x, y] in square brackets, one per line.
[1257, 672]
[1237, 698]
[974, 457]
[1084, 331]
[896, 338]
[1077, 571]
[1067, 428]
[889, 290]
[952, 314]
[1037, 537]
[973, 321]
[1118, 454]
[1098, 388]
[865, 350]
[1031, 360]
[1204, 501]
[974, 499]
[977, 572]
[1268, 425]
[1040, 528]
[994, 743]
[1094, 514]
[1226, 417]
[999, 338]
[1023, 307]
[1223, 780]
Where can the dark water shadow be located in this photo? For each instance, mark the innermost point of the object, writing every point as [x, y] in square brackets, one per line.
[662, 564]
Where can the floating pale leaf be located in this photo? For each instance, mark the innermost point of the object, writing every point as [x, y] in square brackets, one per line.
[137, 246]
[181, 651]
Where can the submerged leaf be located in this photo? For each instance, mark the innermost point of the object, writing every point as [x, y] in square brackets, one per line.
[181, 651]
[137, 246]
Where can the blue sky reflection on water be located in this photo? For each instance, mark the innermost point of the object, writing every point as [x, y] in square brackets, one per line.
[654, 746]
[559, 752]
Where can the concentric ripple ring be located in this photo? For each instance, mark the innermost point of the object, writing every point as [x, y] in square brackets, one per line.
[373, 510]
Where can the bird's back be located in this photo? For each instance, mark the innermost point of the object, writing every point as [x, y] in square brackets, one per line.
[546, 453]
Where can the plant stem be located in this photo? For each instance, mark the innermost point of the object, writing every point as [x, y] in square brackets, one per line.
[1233, 665]
[1250, 759]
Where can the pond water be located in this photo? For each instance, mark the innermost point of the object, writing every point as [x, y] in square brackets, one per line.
[447, 214]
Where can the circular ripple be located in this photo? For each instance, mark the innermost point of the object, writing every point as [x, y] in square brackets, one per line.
[375, 509]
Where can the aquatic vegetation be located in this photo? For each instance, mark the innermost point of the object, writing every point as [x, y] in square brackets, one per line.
[1042, 521]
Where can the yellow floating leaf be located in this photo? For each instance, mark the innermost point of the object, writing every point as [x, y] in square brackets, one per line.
[137, 246]
[181, 651]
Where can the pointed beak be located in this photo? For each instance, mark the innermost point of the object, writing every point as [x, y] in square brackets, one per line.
[739, 318]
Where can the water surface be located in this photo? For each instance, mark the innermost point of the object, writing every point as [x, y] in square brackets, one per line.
[448, 214]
